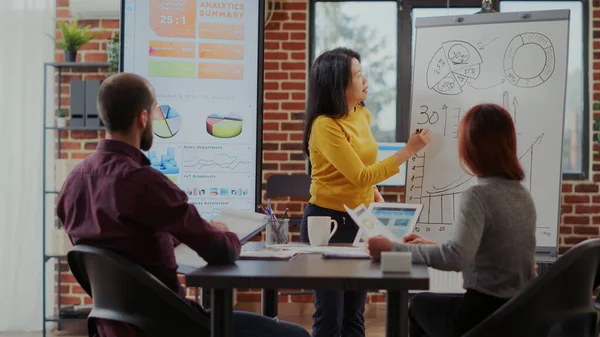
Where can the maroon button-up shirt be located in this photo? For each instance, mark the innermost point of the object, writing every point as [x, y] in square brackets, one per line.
[115, 200]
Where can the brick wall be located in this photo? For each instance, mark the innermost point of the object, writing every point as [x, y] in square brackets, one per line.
[286, 49]
[286, 65]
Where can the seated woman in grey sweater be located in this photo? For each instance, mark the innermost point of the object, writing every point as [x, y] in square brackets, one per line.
[493, 243]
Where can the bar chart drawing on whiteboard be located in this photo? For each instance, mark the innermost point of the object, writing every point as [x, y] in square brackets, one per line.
[439, 202]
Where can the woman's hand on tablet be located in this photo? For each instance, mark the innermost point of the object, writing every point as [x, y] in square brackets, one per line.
[378, 244]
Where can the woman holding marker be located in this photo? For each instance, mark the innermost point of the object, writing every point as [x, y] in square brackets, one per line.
[493, 243]
[343, 156]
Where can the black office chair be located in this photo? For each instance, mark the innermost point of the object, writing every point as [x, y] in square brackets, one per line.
[125, 292]
[289, 185]
[561, 294]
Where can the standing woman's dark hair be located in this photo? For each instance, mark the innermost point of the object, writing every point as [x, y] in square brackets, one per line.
[329, 76]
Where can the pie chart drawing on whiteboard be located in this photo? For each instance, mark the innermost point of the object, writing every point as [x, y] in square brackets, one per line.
[529, 60]
[224, 126]
[166, 122]
[452, 66]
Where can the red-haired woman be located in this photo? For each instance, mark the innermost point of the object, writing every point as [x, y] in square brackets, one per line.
[493, 243]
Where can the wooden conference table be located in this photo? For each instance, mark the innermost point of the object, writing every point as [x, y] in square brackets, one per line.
[309, 271]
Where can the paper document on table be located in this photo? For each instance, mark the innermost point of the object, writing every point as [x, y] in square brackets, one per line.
[185, 256]
[368, 222]
[267, 254]
[348, 254]
[326, 251]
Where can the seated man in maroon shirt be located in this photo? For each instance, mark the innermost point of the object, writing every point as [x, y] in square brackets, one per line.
[115, 200]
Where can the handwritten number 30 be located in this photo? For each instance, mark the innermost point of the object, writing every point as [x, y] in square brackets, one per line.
[431, 117]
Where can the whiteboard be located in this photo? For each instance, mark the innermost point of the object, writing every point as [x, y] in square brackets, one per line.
[517, 60]
[205, 61]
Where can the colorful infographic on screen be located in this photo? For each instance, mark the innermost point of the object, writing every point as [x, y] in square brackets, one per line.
[202, 59]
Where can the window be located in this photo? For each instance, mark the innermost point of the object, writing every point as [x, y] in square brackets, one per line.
[351, 24]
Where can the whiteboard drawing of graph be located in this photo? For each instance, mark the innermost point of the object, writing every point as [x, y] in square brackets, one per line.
[503, 59]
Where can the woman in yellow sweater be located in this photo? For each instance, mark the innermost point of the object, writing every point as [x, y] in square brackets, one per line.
[343, 156]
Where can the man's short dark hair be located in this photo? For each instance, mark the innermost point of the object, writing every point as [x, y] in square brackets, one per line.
[121, 98]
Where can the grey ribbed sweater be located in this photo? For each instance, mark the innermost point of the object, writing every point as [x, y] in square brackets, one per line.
[493, 242]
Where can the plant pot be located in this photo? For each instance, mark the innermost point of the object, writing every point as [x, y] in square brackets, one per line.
[70, 55]
[61, 122]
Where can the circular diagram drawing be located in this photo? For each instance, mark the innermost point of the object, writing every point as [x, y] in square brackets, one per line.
[452, 66]
[529, 60]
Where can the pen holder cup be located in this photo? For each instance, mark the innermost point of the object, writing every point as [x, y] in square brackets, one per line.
[277, 231]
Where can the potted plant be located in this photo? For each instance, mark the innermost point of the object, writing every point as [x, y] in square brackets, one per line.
[61, 119]
[73, 38]
[112, 53]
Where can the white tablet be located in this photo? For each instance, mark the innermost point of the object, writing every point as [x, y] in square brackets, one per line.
[399, 218]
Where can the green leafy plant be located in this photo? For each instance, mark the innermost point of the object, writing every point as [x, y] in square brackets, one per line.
[74, 36]
[62, 114]
[113, 53]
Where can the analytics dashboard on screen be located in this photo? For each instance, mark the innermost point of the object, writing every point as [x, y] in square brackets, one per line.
[202, 58]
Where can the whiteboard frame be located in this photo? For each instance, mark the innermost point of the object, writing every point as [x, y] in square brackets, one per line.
[259, 89]
[494, 18]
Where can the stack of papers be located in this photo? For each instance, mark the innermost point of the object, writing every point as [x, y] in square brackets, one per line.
[348, 254]
[267, 254]
[330, 252]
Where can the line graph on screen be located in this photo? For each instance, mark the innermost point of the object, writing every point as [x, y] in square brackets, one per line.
[217, 162]
[215, 159]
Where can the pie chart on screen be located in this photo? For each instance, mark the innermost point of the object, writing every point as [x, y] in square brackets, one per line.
[165, 122]
[224, 126]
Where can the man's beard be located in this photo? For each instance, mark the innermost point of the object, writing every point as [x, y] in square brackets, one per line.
[146, 140]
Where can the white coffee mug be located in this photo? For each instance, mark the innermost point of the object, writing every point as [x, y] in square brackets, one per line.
[319, 230]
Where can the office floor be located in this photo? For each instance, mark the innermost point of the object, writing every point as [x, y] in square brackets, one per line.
[300, 313]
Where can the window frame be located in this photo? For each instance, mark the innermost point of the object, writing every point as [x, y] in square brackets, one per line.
[585, 137]
[404, 57]
[401, 119]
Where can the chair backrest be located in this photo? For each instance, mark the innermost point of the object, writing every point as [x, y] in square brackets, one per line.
[563, 292]
[288, 185]
[125, 292]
